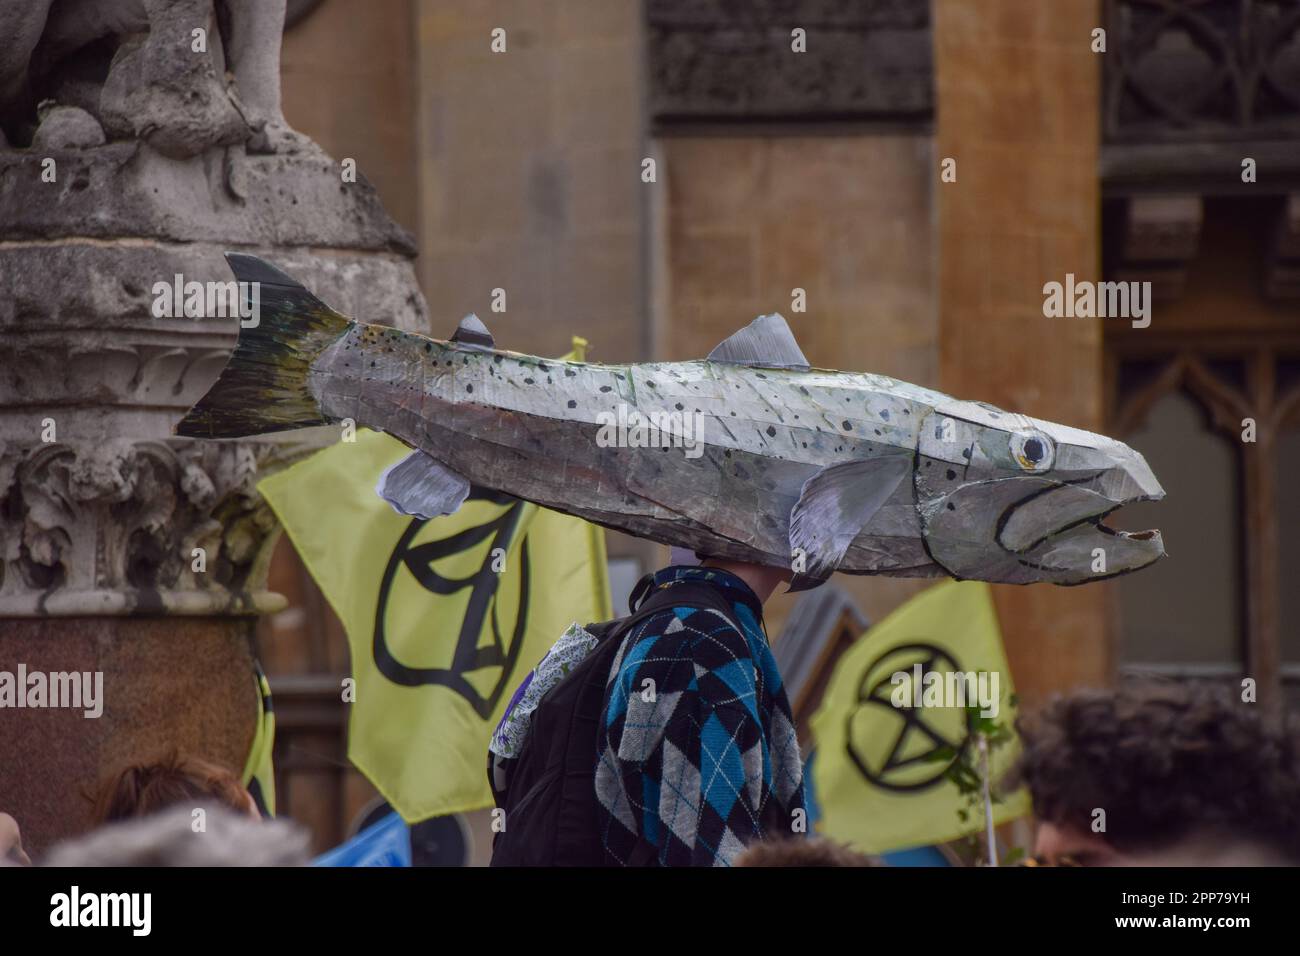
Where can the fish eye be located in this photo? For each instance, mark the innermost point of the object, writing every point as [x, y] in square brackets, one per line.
[1032, 450]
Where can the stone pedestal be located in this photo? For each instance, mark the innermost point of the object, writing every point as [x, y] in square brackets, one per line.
[183, 682]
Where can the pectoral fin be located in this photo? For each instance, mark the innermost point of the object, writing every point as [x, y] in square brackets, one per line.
[421, 486]
[836, 504]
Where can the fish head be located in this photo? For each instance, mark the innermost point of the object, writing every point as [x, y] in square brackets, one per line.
[1015, 500]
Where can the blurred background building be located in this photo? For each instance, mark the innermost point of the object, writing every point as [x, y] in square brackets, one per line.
[819, 175]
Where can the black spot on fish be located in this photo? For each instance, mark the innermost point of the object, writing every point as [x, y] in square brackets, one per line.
[529, 381]
[907, 411]
[542, 366]
[572, 403]
[952, 475]
[951, 506]
[965, 453]
[802, 389]
[848, 425]
[469, 388]
[428, 347]
[606, 388]
[678, 406]
[884, 414]
[652, 384]
[877, 431]
[568, 372]
[760, 375]
[771, 432]
[497, 359]
[805, 444]
[372, 364]
[733, 414]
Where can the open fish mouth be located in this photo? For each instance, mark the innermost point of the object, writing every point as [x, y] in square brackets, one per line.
[1082, 547]
[1029, 529]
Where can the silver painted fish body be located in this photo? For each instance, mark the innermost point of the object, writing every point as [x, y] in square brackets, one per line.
[777, 463]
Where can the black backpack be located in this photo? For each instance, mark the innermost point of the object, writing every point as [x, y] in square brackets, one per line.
[550, 801]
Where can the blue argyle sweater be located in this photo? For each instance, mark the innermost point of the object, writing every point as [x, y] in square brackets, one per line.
[705, 759]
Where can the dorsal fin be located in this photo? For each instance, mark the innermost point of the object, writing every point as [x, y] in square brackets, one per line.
[767, 342]
[472, 331]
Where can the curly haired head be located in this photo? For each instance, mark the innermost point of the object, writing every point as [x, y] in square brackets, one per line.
[1166, 762]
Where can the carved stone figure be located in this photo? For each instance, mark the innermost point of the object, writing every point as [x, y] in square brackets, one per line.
[132, 65]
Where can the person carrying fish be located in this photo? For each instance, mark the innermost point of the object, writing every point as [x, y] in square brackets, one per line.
[681, 749]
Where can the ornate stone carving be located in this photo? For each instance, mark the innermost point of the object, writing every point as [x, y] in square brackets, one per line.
[724, 61]
[1179, 70]
[135, 527]
[1193, 88]
[142, 139]
[139, 139]
[182, 75]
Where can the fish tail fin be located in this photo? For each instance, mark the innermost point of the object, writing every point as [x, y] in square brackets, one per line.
[264, 387]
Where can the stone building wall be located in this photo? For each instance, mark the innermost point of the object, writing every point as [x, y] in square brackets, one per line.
[1018, 93]
[529, 164]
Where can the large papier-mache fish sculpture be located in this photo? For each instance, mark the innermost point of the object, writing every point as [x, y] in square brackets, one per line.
[748, 454]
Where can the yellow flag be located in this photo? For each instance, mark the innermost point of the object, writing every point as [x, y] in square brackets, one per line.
[444, 617]
[259, 771]
[899, 719]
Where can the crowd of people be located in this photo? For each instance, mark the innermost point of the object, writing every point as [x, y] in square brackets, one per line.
[1153, 773]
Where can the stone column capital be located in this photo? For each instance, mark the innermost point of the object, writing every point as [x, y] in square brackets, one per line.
[137, 527]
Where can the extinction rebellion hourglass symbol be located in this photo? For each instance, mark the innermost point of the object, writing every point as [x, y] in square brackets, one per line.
[898, 748]
[469, 656]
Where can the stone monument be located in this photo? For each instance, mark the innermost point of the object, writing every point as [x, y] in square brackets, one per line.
[139, 140]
